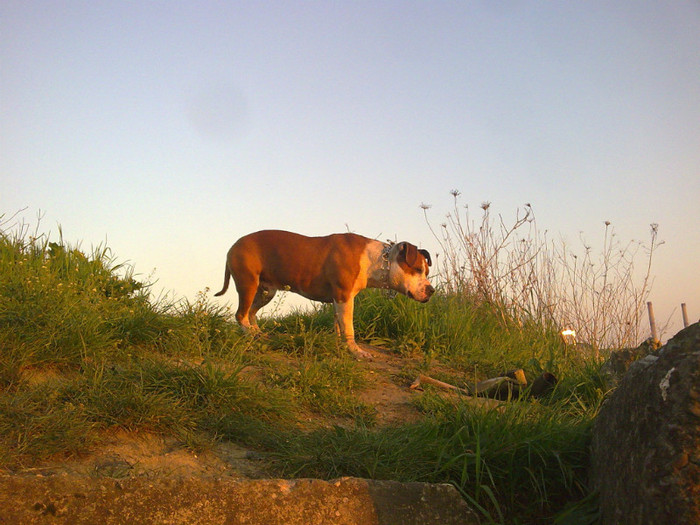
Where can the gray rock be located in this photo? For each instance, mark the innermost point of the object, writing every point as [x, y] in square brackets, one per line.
[645, 461]
[621, 360]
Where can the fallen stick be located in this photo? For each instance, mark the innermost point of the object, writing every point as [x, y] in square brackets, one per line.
[503, 388]
[480, 402]
[422, 379]
[498, 387]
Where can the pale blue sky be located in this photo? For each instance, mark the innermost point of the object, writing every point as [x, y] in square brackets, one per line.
[170, 129]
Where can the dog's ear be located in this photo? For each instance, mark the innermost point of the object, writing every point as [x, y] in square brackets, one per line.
[408, 253]
[425, 254]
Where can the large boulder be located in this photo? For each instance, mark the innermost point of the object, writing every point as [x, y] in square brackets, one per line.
[645, 461]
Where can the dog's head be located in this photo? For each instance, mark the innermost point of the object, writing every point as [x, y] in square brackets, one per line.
[408, 272]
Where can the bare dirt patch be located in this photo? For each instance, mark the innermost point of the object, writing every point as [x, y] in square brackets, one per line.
[128, 454]
[388, 389]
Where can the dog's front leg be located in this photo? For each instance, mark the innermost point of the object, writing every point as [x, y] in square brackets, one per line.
[344, 327]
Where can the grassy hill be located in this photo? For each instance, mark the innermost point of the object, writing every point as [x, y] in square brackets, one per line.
[86, 354]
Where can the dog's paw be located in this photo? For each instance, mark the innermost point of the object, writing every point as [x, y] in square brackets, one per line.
[359, 353]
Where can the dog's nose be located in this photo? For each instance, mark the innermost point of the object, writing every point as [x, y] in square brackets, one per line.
[429, 290]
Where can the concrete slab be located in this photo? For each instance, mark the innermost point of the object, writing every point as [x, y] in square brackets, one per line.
[193, 500]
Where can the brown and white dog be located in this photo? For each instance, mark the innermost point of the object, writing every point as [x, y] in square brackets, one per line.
[331, 269]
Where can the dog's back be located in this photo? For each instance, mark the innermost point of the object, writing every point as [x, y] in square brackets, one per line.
[305, 265]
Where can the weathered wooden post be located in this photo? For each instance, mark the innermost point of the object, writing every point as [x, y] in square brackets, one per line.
[684, 311]
[652, 322]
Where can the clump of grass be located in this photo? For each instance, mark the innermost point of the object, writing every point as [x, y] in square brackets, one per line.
[40, 422]
[199, 329]
[327, 387]
[61, 306]
[299, 334]
[458, 330]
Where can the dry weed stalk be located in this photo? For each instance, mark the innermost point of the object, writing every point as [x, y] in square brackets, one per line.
[529, 278]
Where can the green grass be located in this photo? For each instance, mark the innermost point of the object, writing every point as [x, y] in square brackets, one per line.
[469, 336]
[85, 349]
[522, 462]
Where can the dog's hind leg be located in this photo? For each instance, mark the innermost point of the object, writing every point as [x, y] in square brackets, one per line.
[263, 296]
[247, 287]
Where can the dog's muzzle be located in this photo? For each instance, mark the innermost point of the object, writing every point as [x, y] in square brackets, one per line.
[428, 292]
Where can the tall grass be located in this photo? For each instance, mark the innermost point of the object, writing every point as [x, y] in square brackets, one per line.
[526, 276]
[456, 329]
[61, 306]
[515, 466]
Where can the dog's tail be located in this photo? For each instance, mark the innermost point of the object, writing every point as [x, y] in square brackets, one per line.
[227, 277]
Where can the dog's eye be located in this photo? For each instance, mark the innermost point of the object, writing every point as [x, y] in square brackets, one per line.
[424, 269]
[419, 271]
